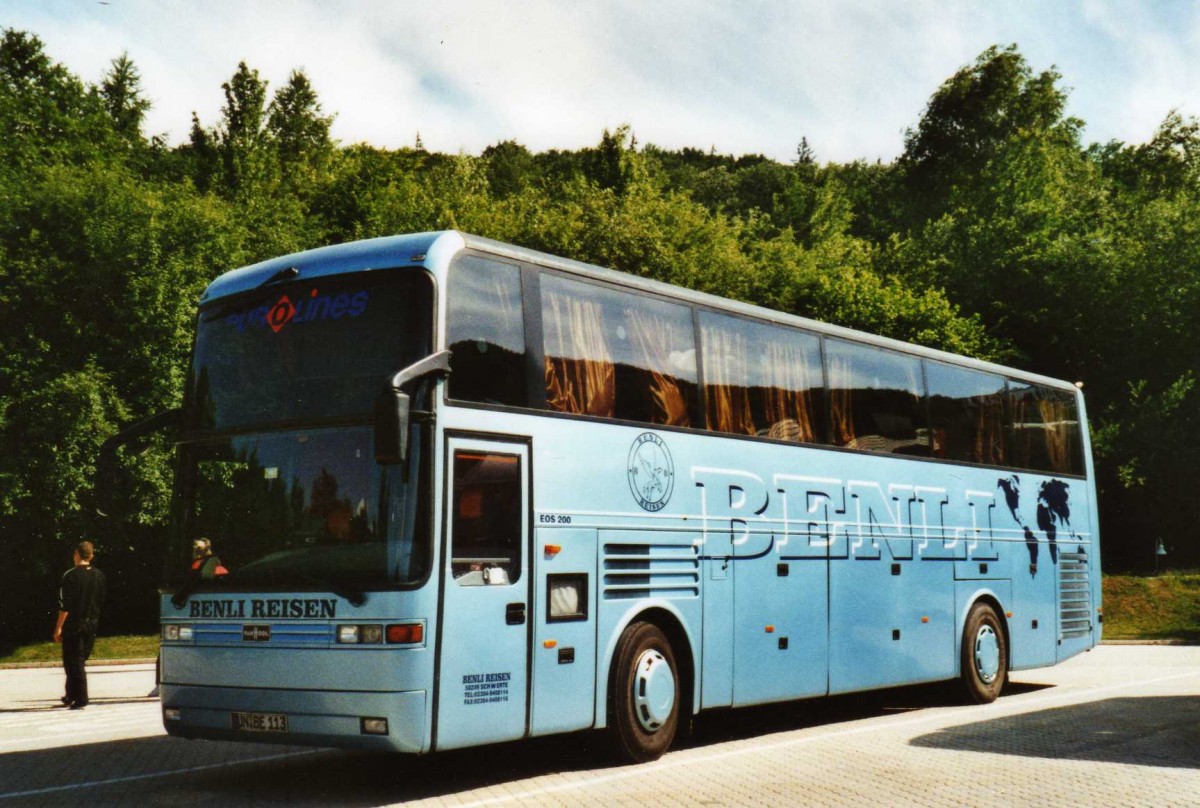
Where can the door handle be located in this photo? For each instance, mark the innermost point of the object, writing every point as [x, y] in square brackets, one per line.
[514, 614]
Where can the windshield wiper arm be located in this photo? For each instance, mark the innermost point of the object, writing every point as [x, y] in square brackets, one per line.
[356, 596]
[180, 598]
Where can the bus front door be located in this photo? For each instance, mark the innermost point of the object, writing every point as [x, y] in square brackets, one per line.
[484, 642]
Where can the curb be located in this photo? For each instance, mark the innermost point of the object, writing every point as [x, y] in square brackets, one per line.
[1149, 642]
[91, 663]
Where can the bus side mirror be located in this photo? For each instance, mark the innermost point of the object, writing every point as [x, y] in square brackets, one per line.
[393, 407]
[106, 460]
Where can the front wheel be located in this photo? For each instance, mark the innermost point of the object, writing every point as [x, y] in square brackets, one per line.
[984, 655]
[644, 697]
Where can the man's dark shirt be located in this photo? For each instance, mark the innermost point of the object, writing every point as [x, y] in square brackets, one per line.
[81, 596]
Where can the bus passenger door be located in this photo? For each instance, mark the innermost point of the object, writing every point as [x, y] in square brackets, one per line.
[482, 689]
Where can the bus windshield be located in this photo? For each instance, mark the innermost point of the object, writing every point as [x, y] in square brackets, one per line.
[306, 351]
[304, 509]
[277, 469]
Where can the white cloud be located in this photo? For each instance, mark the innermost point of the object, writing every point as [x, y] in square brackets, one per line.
[750, 76]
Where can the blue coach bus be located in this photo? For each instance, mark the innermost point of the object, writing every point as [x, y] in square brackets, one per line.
[467, 493]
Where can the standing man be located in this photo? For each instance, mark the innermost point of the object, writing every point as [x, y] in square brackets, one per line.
[80, 597]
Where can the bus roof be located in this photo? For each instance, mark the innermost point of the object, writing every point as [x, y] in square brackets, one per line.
[387, 252]
[436, 248]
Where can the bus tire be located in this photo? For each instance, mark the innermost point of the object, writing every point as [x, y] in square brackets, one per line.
[984, 655]
[644, 694]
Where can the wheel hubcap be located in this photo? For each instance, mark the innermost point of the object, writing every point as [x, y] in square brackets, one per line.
[987, 654]
[653, 690]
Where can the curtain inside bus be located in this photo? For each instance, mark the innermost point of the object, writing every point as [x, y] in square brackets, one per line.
[761, 380]
[617, 355]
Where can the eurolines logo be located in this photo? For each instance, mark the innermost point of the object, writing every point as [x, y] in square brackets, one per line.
[316, 307]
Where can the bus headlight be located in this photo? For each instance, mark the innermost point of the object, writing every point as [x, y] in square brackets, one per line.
[174, 632]
[364, 634]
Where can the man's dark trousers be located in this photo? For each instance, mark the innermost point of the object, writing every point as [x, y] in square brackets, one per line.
[76, 648]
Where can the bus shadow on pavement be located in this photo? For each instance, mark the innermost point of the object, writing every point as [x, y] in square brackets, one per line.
[749, 722]
[1149, 731]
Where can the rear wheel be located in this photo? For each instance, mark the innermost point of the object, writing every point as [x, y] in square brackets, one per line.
[644, 696]
[984, 655]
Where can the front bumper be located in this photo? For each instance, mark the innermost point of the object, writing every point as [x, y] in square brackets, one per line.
[315, 718]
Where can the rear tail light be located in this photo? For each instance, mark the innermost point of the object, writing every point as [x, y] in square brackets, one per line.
[408, 633]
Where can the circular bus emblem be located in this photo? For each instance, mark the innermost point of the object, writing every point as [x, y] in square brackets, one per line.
[651, 472]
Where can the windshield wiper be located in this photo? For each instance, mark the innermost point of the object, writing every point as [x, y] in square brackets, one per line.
[355, 596]
[180, 598]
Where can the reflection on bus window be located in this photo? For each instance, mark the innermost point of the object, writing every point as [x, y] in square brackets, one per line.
[486, 332]
[617, 355]
[295, 506]
[876, 400]
[761, 380]
[1043, 429]
[967, 410]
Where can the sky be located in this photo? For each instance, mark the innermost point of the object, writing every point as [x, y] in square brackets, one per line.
[738, 76]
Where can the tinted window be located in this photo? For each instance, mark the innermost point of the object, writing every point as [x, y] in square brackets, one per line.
[486, 331]
[967, 411]
[1043, 429]
[876, 400]
[761, 380]
[307, 350]
[300, 509]
[617, 355]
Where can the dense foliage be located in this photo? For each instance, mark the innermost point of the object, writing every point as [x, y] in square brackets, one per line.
[997, 234]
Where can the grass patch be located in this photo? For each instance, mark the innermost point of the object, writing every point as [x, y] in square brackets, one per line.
[134, 647]
[1165, 607]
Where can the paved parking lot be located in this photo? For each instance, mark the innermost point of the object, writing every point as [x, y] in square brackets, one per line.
[1119, 726]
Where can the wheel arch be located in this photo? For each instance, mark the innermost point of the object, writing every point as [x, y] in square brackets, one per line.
[673, 626]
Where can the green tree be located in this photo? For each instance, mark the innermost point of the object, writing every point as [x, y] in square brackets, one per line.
[509, 167]
[121, 91]
[299, 133]
[973, 115]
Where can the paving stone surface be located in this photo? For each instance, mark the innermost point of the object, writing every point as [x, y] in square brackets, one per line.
[1119, 726]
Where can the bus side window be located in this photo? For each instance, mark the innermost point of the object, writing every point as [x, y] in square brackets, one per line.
[486, 527]
[1043, 429]
[877, 399]
[486, 332]
[618, 355]
[967, 410]
[762, 380]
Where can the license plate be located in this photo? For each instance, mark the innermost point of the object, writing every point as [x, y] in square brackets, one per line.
[259, 722]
